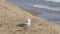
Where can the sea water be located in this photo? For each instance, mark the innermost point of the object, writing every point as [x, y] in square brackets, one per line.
[47, 8]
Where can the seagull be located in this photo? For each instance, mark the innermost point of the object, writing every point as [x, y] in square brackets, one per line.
[26, 24]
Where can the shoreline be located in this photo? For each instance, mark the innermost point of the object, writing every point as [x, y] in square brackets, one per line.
[11, 15]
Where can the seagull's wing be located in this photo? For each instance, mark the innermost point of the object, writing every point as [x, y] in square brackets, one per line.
[21, 25]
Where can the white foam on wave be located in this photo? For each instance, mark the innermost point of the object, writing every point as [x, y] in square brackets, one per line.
[53, 0]
[47, 7]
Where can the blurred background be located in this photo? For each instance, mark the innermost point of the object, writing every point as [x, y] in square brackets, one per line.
[49, 9]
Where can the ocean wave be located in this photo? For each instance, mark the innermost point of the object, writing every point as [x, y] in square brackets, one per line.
[46, 7]
[53, 0]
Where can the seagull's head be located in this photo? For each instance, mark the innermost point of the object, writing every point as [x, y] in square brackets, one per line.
[29, 21]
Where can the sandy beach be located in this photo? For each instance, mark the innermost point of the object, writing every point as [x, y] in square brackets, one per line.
[10, 15]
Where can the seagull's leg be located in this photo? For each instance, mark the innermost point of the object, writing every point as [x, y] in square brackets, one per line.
[25, 29]
[26, 32]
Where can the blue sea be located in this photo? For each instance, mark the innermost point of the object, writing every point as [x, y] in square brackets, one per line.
[50, 10]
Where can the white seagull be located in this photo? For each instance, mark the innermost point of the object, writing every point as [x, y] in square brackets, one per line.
[25, 24]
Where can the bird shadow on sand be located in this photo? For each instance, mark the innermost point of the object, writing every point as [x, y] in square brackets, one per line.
[19, 30]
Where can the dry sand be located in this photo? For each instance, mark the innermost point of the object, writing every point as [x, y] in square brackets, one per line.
[10, 15]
